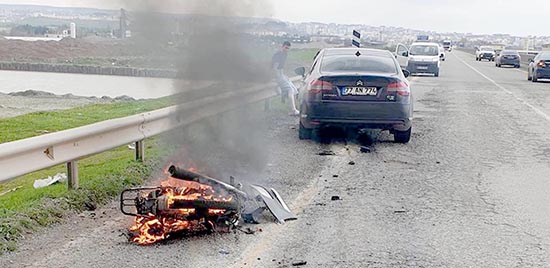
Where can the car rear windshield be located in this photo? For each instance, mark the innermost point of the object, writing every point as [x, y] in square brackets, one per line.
[486, 49]
[544, 56]
[510, 52]
[352, 63]
[424, 50]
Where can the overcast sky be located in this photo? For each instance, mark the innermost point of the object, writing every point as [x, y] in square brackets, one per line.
[477, 16]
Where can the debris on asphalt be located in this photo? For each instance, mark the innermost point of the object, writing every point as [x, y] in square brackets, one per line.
[321, 204]
[438, 162]
[401, 210]
[365, 149]
[224, 252]
[249, 231]
[326, 152]
[335, 198]
[299, 263]
[335, 176]
[351, 163]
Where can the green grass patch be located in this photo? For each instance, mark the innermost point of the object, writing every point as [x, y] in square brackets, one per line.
[39, 123]
[101, 177]
[303, 55]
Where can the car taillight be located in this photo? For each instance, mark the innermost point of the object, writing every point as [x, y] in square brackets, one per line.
[541, 64]
[400, 88]
[319, 86]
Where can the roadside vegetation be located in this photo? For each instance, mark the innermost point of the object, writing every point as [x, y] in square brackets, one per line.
[24, 209]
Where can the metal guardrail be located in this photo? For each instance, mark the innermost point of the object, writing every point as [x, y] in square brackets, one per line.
[25, 156]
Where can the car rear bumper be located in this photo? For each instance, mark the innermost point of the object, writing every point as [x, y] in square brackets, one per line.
[375, 115]
[543, 73]
[509, 62]
[423, 67]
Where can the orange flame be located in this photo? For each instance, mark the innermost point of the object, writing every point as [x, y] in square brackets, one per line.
[155, 228]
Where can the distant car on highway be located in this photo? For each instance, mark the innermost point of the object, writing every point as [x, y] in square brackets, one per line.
[447, 45]
[508, 57]
[485, 53]
[539, 67]
[419, 58]
[355, 89]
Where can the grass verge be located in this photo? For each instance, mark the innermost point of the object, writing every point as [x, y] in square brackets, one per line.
[25, 209]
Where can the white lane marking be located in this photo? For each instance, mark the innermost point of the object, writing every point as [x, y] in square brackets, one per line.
[535, 109]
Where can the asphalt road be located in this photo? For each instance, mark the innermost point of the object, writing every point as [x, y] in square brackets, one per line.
[470, 190]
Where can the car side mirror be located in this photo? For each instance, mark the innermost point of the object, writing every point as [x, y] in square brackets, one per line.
[300, 71]
[406, 73]
[405, 54]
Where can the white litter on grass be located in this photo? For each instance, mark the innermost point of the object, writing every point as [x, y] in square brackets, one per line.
[60, 177]
[131, 147]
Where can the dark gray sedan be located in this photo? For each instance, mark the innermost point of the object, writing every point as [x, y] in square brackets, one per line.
[356, 89]
[539, 67]
[508, 57]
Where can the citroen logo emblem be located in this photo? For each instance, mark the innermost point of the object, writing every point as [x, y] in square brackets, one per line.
[360, 83]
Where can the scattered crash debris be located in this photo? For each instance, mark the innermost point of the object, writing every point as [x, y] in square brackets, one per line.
[365, 149]
[326, 153]
[60, 177]
[335, 176]
[299, 263]
[401, 210]
[335, 198]
[193, 203]
[351, 163]
[249, 231]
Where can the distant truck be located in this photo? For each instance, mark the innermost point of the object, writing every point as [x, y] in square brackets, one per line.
[422, 38]
[448, 45]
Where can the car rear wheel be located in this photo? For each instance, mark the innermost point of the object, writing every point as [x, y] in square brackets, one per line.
[402, 136]
[518, 66]
[529, 78]
[304, 133]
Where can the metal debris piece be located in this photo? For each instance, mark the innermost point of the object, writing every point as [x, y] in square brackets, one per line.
[326, 152]
[335, 176]
[274, 204]
[299, 263]
[351, 163]
[335, 198]
[365, 149]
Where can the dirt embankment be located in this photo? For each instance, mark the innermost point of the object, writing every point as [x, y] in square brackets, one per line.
[88, 56]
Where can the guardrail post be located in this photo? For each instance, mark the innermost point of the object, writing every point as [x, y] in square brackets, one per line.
[140, 150]
[72, 171]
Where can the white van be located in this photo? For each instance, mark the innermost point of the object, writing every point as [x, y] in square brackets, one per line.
[421, 57]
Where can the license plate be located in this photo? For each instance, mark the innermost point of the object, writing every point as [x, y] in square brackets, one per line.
[422, 67]
[359, 91]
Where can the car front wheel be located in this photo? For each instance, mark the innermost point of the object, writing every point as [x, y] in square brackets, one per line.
[402, 136]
